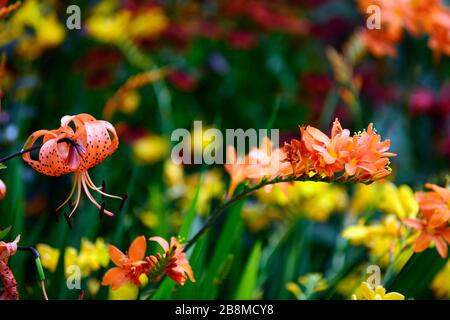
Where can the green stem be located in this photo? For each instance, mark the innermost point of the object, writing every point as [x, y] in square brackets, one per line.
[224, 205]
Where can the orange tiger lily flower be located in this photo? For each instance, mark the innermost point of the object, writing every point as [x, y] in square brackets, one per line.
[176, 266]
[130, 266]
[67, 150]
[433, 227]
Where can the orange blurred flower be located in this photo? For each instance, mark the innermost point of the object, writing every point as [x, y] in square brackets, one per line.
[66, 150]
[433, 227]
[259, 163]
[7, 249]
[130, 266]
[175, 263]
[362, 157]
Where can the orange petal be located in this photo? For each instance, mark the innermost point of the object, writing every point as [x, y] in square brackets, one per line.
[423, 242]
[136, 252]
[443, 192]
[439, 217]
[413, 223]
[116, 277]
[441, 246]
[163, 243]
[117, 256]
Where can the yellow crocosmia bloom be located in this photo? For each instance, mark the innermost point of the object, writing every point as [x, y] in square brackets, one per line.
[70, 258]
[148, 23]
[150, 149]
[294, 288]
[126, 292]
[365, 197]
[93, 285]
[441, 282]
[130, 102]
[149, 219]
[366, 292]
[49, 256]
[173, 173]
[109, 28]
[314, 281]
[278, 194]
[258, 216]
[212, 187]
[92, 256]
[398, 200]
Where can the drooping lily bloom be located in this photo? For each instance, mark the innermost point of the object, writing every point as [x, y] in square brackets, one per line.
[130, 266]
[80, 143]
[2, 189]
[7, 249]
[173, 261]
[433, 226]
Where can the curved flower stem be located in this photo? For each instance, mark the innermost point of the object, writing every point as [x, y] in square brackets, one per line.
[40, 270]
[246, 192]
[21, 152]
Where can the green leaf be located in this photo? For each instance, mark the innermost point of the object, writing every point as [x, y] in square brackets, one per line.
[247, 285]
[184, 231]
[4, 232]
[2, 166]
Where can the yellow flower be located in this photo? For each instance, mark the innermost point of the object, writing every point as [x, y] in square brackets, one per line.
[49, 256]
[130, 102]
[258, 216]
[398, 200]
[441, 282]
[365, 197]
[311, 284]
[173, 173]
[128, 291]
[92, 256]
[316, 200]
[212, 187]
[149, 219]
[366, 292]
[148, 23]
[93, 285]
[150, 149]
[108, 28]
[381, 238]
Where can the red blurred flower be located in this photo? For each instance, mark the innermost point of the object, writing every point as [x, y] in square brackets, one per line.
[421, 100]
[242, 40]
[182, 80]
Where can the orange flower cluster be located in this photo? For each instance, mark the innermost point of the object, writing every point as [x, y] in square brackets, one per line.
[131, 266]
[433, 226]
[431, 17]
[362, 157]
[7, 249]
[65, 150]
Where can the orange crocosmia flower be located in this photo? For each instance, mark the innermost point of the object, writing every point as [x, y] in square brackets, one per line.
[433, 227]
[130, 266]
[7, 249]
[67, 150]
[327, 154]
[369, 157]
[379, 43]
[174, 260]
[235, 169]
